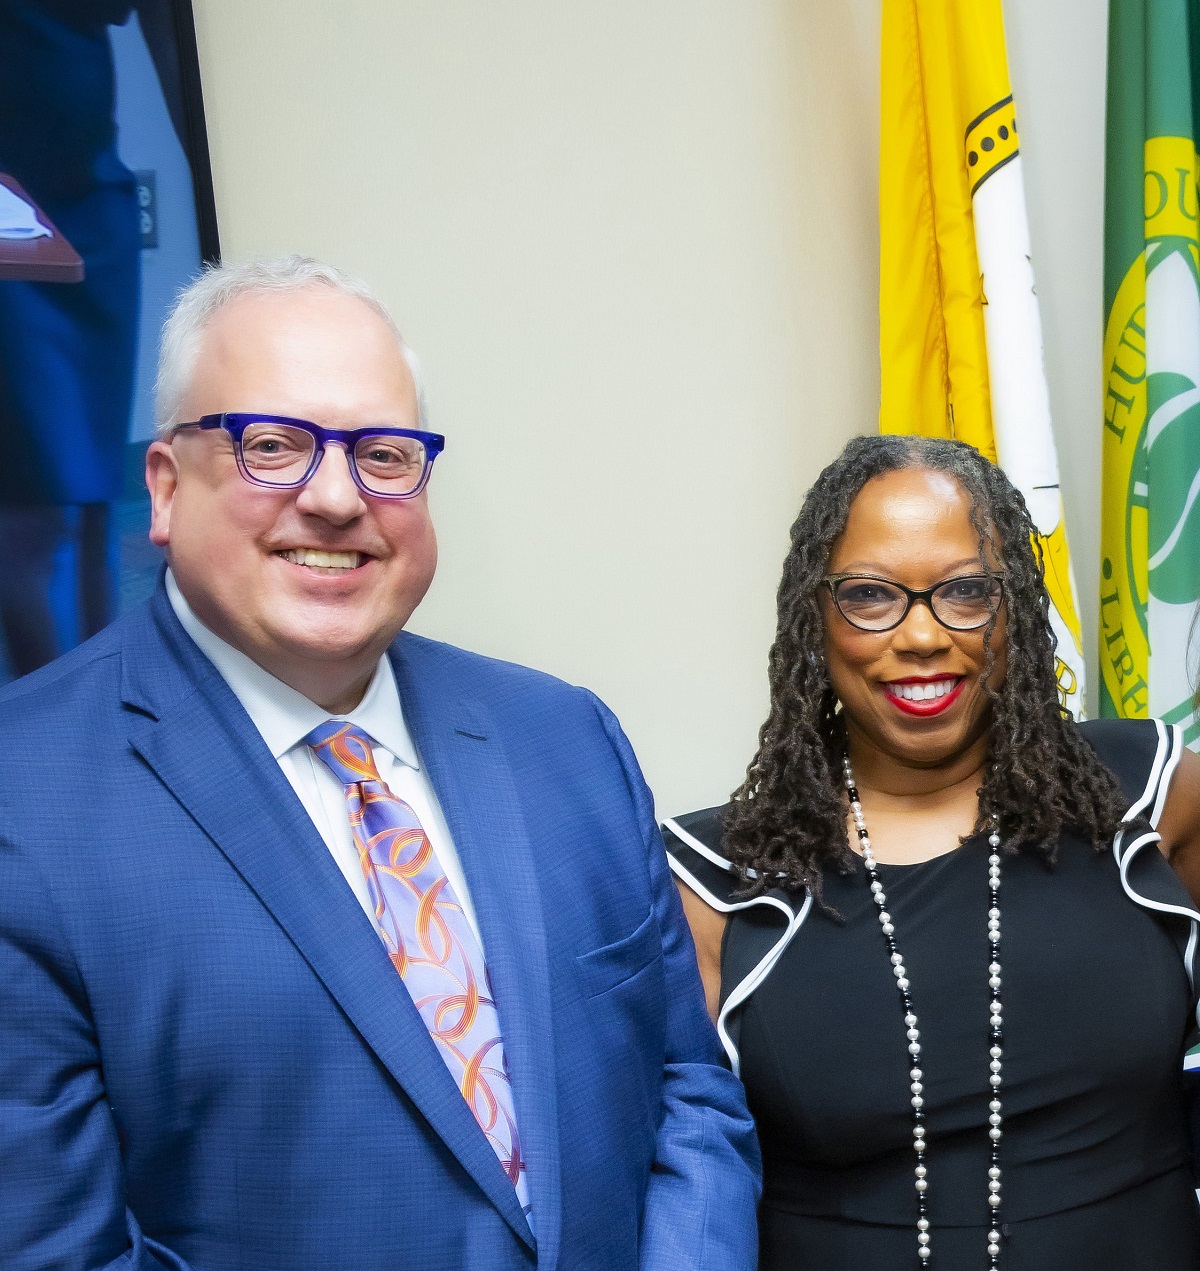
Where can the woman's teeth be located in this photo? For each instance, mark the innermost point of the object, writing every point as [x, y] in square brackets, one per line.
[923, 692]
[315, 559]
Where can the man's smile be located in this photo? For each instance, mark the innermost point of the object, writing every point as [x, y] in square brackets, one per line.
[324, 562]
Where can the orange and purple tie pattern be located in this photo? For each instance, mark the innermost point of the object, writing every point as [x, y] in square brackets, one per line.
[428, 938]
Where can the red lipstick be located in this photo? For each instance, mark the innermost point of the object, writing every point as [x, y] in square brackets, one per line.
[927, 706]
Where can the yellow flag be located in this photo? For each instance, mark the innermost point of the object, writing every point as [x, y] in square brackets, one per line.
[960, 337]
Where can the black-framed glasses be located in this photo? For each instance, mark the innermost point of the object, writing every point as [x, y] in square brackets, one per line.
[869, 603]
[282, 453]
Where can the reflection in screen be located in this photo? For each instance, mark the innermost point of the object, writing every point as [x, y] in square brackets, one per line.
[92, 127]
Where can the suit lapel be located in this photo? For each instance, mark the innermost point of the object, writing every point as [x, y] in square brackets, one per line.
[461, 747]
[202, 745]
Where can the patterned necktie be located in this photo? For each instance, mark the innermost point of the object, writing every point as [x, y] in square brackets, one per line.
[428, 938]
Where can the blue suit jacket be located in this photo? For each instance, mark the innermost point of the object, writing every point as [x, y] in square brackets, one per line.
[206, 1058]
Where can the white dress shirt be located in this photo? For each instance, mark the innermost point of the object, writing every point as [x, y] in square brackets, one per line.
[284, 717]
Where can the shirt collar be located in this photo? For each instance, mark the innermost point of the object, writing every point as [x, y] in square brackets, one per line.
[285, 717]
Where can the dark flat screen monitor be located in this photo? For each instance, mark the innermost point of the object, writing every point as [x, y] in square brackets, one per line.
[106, 210]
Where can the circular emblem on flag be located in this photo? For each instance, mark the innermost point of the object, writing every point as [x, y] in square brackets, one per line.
[1124, 649]
[1150, 566]
[1174, 517]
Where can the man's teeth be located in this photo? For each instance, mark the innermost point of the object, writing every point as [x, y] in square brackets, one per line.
[923, 692]
[322, 560]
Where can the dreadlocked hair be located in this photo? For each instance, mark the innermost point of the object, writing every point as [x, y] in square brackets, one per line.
[786, 823]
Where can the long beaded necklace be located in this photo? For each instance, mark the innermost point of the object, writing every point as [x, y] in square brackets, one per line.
[916, 1074]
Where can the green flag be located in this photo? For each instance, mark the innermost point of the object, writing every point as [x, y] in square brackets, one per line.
[1150, 533]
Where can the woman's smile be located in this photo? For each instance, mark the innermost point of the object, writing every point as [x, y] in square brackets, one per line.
[920, 695]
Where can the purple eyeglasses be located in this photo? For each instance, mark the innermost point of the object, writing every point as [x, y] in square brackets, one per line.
[283, 453]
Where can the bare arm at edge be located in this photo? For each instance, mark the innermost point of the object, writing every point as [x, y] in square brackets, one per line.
[708, 930]
[1179, 824]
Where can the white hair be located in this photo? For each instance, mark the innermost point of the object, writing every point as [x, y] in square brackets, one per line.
[218, 287]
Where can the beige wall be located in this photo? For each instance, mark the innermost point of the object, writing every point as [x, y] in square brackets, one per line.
[1057, 63]
[635, 244]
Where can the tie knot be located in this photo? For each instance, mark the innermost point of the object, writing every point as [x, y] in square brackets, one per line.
[345, 750]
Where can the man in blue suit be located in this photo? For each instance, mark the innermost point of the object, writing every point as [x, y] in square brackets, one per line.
[324, 945]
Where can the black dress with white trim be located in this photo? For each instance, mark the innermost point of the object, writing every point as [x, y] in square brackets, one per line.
[1099, 1003]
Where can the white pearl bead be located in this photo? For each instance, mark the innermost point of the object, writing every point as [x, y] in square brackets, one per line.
[910, 1019]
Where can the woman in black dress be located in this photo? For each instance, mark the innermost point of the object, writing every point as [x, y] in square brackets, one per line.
[937, 923]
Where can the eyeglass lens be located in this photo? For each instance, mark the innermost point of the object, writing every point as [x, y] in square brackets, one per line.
[960, 603]
[277, 454]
